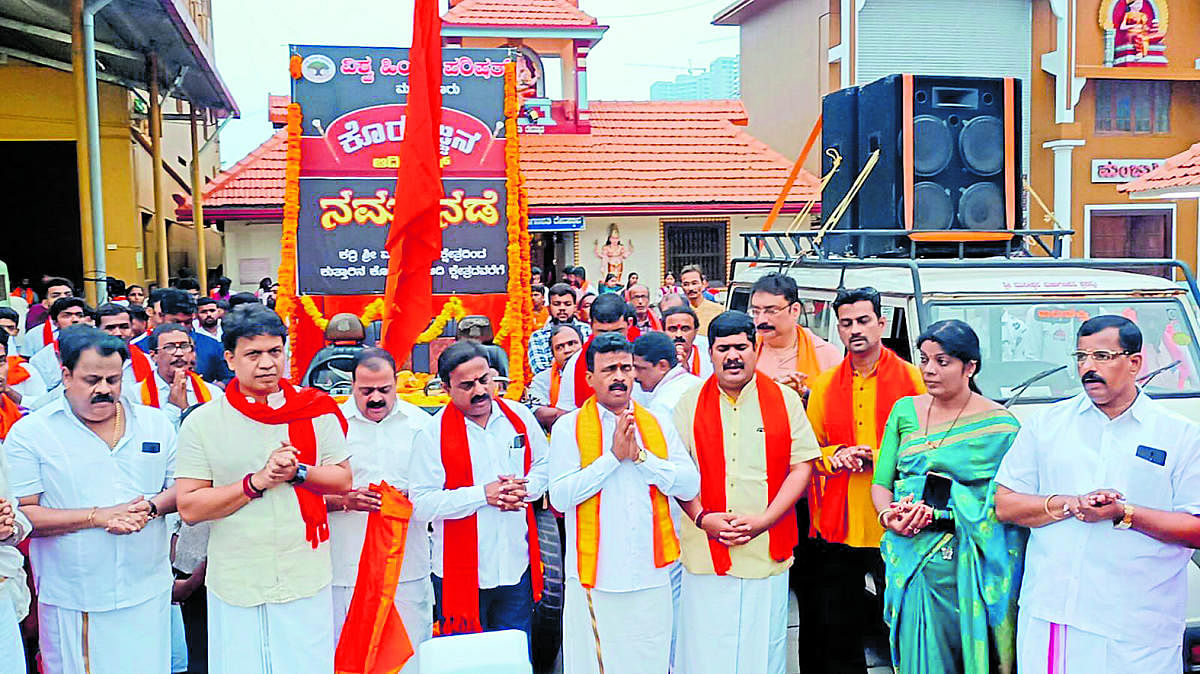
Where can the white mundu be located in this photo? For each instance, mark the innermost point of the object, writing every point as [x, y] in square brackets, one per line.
[113, 590]
[1115, 596]
[14, 593]
[380, 451]
[631, 600]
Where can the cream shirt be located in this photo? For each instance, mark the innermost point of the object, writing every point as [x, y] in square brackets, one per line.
[257, 555]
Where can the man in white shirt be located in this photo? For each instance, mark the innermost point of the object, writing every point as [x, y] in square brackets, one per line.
[64, 313]
[682, 326]
[546, 388]
[14, 593]
[93, 475]
[475, 469]
[174, 385]
[380, 440]
[608, 314]
[662, 379]
[1109, 484]
[614, 466]
[21, 384]
[257, 462]
[208, 317]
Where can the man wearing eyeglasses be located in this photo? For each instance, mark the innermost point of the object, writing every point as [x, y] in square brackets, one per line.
[1108, 483]
[175, 385]
[787, 352]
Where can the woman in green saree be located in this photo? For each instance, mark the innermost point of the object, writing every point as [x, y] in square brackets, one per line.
[953, 570]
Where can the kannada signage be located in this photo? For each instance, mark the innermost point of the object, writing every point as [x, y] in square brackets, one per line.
[1122, 170]
[353, 102]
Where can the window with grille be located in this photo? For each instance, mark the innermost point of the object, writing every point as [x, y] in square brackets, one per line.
[1133, 107]
[701, 243]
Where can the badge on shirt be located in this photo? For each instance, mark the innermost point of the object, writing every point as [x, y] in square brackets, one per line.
[1153, 455]
[518, 442]
[150, 448]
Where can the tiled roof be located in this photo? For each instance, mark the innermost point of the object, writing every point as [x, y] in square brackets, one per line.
[517, 13]
[638, 153]
[1181, 170]
[655, 152]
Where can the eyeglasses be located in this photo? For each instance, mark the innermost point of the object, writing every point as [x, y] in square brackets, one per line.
[1099, 355]
[769, 312]
[181, 347]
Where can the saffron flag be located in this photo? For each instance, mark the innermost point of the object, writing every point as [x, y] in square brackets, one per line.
[414, 240]
[374, 640]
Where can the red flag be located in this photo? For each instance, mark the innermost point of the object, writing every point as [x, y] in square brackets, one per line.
[414, 240]
[373, 639]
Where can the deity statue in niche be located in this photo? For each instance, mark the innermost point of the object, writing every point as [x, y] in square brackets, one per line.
[614, 253]
[1134, 32]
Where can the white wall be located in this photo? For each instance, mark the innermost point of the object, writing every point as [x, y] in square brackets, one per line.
[251, 241]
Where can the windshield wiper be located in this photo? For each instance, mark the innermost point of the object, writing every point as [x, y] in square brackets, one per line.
[1031, 381]
[1170, 366]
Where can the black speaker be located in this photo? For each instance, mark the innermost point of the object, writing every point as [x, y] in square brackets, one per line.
[949, 161]
[839, 132]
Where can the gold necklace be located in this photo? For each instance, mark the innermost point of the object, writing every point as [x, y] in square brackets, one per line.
[118, 427]
[929, 414]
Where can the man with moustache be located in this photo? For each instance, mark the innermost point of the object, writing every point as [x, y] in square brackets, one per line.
[174, 385]
[787, 352]
[380, 440]
[694, 284]
[546, 389]
[208, 317]
[644, 318]
[476, 467]
[64, 313]
[662, 379]
[257, 462]
[1108, 483]
[848, 406]
[93, 475]
[754, 448]
[683, 327]
[562, 312]
[613, 466]
[609, 313]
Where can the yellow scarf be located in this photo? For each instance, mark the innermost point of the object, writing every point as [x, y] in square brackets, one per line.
[589, 434]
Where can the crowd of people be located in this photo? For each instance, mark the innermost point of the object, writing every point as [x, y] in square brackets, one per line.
[703, 463]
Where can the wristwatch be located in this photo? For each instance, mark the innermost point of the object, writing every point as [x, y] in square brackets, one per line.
[1126, 521]
[641, 456]
[300, 476]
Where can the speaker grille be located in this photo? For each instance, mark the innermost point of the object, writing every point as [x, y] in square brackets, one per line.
[933, 207]
[981, 207]
[982, 145]
[933, 145]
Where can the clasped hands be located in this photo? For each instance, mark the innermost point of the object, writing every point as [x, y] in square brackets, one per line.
[280, 467]
[8, 519]
[507, 493]
[1101, 505]
[732, 529]
[123, 518]
[853, 458]
[624, 440]
[907, 517]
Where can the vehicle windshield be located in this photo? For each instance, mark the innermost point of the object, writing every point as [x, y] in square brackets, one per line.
[1022, 339]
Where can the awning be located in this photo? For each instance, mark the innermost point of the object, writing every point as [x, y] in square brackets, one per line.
[39, 31]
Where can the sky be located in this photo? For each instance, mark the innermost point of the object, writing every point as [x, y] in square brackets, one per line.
[647, 41]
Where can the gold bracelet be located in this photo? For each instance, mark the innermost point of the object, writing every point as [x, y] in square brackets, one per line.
[883, 512]
[1046, 507]
[91, 520]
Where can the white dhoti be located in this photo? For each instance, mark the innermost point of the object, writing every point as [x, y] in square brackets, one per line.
[635, 630]
[294, 637]
[414, 603]
[12, 650]
[1048, 648]
[731, 625]
[132, 639]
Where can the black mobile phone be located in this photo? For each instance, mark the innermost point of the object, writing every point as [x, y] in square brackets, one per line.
[937, 491]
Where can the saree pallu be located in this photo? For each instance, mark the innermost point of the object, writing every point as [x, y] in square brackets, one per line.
[951, 597]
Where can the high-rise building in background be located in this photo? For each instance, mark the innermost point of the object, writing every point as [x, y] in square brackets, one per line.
[722, 80]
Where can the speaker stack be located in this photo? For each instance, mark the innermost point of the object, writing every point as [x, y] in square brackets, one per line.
[949, 163]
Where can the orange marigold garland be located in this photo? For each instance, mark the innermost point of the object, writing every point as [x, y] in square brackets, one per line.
[514, 326]
[285, 299]
[295, 64]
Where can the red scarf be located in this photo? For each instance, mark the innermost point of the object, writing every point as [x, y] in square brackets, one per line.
[141, 364]
[17, 372]
[694, 361]
[48, 334]
[10, 413]
[150, 390]
[892, 382]
[632, 333]
[710, 455]
[582, 390]
[460, 582]
[301, 406]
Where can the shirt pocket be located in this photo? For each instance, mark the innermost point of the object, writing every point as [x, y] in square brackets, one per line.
[145, 469]
[1146, 483]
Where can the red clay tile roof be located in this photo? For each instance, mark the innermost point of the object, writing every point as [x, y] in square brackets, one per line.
[517, 13]
[638, 153]
[1181, 170]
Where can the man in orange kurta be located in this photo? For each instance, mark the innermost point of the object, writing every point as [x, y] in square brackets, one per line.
[848, 407]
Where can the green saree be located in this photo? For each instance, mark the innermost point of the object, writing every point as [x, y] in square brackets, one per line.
[951, 597]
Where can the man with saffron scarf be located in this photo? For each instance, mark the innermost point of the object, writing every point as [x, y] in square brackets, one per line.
[174, 385]
[608, 314]
[848, 406]
[644, 318]
[476, 467]
[257, 463]
[787, 352]
[683, 327]
[546, 389]
[614, 465]
[116, 320]
[22, 384]
[754, 447]
[64, 313]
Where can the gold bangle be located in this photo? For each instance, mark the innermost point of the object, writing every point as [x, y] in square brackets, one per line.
[883, 512]
[91, 520]
[1046, 507]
